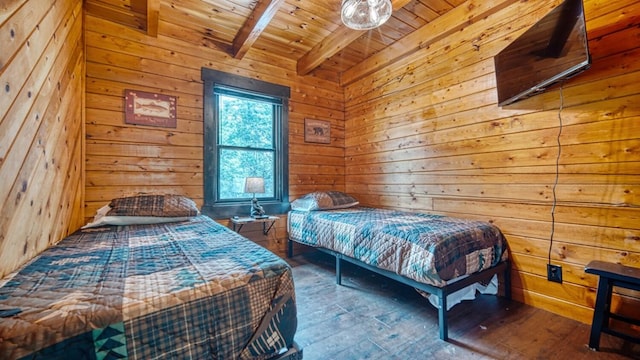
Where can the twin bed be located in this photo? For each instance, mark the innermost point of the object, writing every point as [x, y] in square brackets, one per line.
[184, 288]
[435, 254]
[151, 278]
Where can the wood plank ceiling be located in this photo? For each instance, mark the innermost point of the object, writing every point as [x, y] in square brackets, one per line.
[307, 31]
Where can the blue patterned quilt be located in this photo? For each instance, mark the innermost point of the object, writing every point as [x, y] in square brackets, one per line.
[187, 290]
[430, 249]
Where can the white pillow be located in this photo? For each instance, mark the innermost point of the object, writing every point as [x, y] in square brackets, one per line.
[102, 218]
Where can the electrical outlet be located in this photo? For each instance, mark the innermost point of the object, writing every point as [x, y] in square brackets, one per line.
[554, 273]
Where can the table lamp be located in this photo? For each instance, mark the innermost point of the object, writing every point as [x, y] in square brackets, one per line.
[255, 185]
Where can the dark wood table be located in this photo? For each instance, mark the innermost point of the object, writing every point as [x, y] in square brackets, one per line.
[610, 275]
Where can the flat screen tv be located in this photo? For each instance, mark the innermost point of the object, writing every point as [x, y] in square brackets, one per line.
[553, 49]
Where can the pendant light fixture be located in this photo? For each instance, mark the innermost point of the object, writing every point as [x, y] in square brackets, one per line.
[365, 14]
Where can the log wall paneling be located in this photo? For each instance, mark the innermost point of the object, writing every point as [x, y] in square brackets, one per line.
[124, 159]
[424, 132]
[416, 126]
[41, 127]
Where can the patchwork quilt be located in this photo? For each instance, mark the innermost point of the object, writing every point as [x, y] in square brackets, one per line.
[184, 290]
[430, 249]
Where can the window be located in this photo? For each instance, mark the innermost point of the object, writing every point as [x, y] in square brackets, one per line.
[245, 135]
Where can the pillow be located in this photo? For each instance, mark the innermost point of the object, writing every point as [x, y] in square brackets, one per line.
[132, 220]
[153, 205]
[324, 200]
[145, 209]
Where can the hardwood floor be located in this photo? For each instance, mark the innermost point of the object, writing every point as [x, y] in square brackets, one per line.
[370, 317]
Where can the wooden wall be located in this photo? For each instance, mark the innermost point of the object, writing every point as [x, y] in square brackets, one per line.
[125, 159]
[41, 127]
[422, 132]
[425, 133]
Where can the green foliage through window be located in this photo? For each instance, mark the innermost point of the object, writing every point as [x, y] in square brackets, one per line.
[245, 135]
[245, 142]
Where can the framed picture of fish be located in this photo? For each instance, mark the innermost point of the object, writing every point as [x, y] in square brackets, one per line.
[144, 108]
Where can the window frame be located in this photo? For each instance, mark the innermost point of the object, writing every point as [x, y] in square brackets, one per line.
[279, 203]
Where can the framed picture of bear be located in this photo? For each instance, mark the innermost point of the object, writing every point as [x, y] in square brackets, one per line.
[317, 131]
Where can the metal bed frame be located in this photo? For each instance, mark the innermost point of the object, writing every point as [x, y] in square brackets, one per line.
[440, 292]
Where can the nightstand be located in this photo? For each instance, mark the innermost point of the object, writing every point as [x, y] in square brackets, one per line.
[267, 223]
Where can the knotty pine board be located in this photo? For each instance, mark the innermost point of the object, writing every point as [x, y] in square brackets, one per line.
[424, 133]
[41, 166]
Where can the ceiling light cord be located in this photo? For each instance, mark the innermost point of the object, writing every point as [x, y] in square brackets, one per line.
[555, 183]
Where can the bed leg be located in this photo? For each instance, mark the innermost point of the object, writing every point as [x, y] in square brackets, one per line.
[507, 281]
[442, 318]
[289, 248]
[338, 270]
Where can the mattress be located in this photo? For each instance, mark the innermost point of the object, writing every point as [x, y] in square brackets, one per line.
[187, 290]
[430, 249]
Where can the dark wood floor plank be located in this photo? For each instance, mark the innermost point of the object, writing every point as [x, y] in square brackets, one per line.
[371, 317]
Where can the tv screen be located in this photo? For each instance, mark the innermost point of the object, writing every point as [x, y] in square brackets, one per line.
[553, 49]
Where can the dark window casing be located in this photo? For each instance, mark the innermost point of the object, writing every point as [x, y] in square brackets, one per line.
[221, 209]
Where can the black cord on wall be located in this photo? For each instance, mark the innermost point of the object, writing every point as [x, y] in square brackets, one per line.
[555, 183]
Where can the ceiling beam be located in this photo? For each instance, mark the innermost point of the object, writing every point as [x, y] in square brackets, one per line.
[455, 20]
[153, 17]
[333, 43]
[262, 14]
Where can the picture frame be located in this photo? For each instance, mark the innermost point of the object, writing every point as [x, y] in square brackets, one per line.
[150, 109]
[317, 131]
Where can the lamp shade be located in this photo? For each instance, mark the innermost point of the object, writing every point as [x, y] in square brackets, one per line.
[365, 14]
[254, 185]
